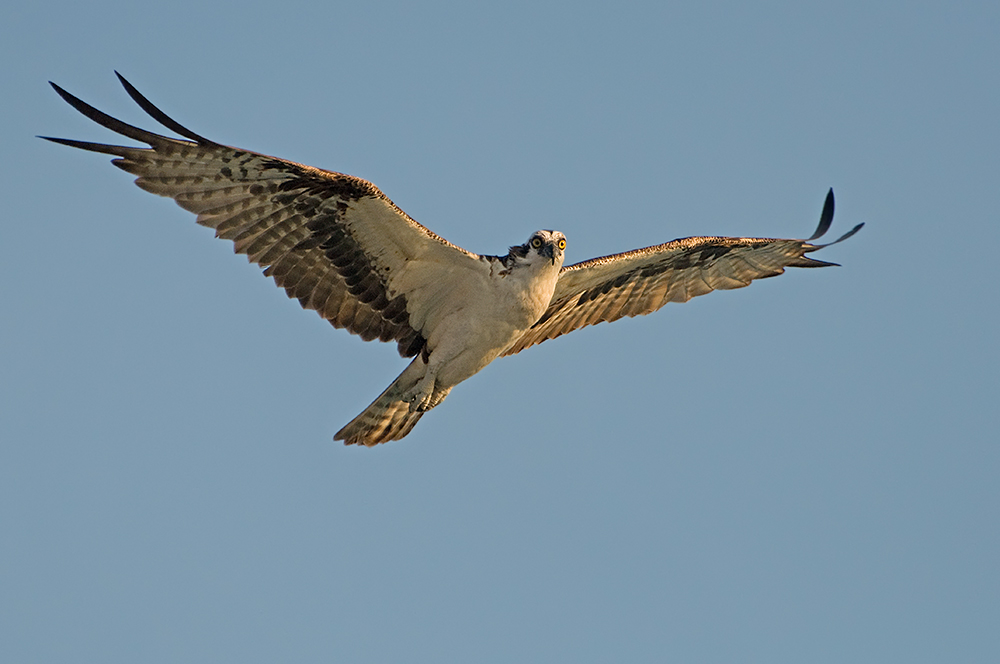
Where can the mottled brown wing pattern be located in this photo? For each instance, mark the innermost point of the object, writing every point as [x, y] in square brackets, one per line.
[310, 229]
[640, 282]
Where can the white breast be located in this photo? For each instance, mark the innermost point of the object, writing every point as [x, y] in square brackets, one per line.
[485, 315]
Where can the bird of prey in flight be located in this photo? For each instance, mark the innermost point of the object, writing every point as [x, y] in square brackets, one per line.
[339, 246]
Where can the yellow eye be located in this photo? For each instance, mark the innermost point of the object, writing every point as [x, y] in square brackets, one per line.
[536, 242]
[562, 244]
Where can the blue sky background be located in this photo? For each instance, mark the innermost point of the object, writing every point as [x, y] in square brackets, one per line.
[802, 471]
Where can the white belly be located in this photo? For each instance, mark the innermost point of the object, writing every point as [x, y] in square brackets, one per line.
[490, 315]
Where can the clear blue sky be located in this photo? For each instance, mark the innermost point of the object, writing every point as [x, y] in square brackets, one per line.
[805, 470]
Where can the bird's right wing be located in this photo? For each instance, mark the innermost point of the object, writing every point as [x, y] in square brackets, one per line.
[640, 282]
[334, 242]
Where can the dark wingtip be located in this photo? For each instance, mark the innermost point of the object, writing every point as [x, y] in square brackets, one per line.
[841, 238]
[71, 99]
[825, 220]
[106, 120]
[90, 147]
[825, 217]
[159, 115]
[849, 233]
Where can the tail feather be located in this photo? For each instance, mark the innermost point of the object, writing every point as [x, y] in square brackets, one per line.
[388, 417]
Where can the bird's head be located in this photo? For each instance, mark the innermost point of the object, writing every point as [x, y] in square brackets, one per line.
[542, 246]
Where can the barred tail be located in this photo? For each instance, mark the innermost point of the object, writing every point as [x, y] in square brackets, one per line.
[388, 417]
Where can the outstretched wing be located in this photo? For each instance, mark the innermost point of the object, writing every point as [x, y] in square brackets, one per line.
[334, 242]
[639, 282]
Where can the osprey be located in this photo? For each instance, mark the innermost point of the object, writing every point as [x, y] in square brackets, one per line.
[341, 247]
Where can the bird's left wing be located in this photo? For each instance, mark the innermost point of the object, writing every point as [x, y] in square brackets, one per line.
[639, 282]
[334, 242]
